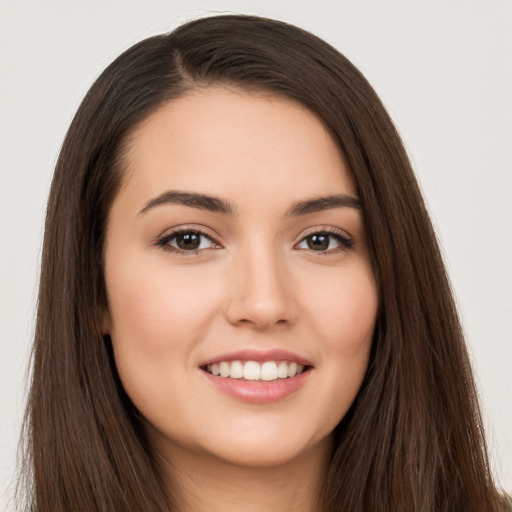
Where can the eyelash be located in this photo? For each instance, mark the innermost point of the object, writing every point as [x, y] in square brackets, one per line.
[164, 241]
[345, 242]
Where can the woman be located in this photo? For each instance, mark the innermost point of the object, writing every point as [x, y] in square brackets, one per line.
[242, 302]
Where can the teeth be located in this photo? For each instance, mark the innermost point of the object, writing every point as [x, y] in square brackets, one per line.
[252, 370]
[292, 369]
[237, 370]
[282, 370]
[269, 371]
[224, 369]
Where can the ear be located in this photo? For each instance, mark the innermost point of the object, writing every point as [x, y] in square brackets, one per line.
[106, 323]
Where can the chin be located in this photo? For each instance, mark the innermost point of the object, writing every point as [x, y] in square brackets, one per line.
[267, 451]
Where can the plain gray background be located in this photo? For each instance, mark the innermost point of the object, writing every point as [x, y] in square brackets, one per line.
[442, 68]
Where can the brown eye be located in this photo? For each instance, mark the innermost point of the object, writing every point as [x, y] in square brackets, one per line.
[324, 241]
[188, 241]
[319, 242]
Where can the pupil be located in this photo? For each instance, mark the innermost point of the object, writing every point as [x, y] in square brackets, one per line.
[318, 242]
[188, 241]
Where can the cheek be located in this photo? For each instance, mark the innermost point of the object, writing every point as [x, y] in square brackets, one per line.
[158, 317]
[343, 315]
[343, 309]
[154, 306]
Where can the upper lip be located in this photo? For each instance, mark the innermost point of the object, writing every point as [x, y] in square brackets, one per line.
[260, 356]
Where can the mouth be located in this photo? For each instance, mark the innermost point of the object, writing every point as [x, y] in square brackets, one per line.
[256, 376]
[267, 371]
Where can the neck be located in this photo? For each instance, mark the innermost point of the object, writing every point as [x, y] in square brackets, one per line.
[202, 483]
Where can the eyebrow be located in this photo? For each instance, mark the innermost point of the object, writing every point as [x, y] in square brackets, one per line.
[323, 203]
[191, 199]
[218, 205]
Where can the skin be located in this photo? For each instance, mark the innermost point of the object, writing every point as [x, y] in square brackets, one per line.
[255, 283]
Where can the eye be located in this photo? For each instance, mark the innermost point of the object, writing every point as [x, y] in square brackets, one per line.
[186, 241]
[325, 241]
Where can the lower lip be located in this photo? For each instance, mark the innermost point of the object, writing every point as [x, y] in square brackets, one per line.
[258, 391]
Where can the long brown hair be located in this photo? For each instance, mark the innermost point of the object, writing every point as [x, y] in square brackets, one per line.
[413, 439]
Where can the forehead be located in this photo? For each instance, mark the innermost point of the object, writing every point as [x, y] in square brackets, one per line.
[221, 140]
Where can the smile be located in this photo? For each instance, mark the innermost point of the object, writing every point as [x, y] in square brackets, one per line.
[257, 376]
[267, 371]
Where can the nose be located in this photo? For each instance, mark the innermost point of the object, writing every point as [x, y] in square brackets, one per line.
[260, 291]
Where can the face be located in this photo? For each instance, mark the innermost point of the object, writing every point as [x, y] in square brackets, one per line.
[241, 297]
